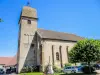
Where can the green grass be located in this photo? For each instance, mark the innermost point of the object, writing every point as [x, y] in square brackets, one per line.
[78, 74]
[37, 73]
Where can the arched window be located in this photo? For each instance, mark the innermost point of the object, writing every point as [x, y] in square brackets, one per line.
[57, 56]
[32, 45]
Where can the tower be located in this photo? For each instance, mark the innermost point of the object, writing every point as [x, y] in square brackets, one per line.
[27, 29]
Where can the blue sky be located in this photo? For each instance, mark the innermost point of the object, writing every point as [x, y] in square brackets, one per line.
[81, 17]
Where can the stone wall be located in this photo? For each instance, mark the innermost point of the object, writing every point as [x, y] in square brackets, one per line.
[48, 51]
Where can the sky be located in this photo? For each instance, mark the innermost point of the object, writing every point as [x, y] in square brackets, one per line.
[81, 17]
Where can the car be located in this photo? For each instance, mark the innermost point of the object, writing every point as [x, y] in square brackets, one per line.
[79, 68]
[1, 71]
[8, 71]
[70, 69]
[96, 66]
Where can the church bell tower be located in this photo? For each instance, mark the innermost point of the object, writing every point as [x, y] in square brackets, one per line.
[27, 29]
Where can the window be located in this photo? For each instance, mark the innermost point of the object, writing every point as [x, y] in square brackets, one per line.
[32, 45]
[34, 51]
[29, 21]
[57, 56]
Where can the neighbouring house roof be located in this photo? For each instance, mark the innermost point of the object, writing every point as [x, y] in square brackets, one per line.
[7, 61]
[12, 62]
[48, 34]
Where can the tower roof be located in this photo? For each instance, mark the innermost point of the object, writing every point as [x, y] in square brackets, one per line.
[29, 12]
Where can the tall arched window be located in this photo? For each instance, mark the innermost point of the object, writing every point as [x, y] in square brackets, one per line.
[57, 56]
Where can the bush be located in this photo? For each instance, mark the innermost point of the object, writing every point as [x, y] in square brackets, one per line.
[56, 69]
[36, 68]
[67, 64]
[87, 69]
[30, 69]
[24, 70]
[83, 63]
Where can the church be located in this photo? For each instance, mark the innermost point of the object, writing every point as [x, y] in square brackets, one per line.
[40, 47]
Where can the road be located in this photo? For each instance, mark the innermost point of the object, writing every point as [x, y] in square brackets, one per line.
[8, 74]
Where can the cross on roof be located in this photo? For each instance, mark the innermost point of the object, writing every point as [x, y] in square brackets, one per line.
[28, 3]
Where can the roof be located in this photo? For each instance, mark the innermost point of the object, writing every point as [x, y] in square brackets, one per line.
[7, 61]
[48, 34]
[13, 61]
[29, 12]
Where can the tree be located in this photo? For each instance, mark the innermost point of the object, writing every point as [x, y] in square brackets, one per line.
[87, 50]
[1, 20]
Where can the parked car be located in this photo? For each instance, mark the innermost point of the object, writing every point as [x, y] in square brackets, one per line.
[87, 69]
[70, 69]
[79, 68]
[8, 70]
[1, 71]
[96, 66]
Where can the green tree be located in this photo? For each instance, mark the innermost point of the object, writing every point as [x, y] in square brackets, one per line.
[1, 20]
[87, 50]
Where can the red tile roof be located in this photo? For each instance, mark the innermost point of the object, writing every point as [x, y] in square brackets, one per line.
[12, 62]
[8, 61]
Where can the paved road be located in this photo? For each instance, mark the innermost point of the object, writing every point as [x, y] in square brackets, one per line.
[8, 74]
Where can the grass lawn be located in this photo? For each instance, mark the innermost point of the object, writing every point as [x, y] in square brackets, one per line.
[78, 74]
[37, 73]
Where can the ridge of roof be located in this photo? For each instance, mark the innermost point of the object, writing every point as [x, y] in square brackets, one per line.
[56, 31]
[5, 57]
[50, 34]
